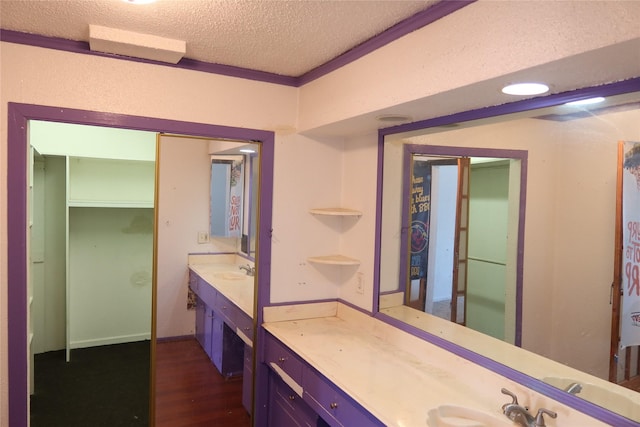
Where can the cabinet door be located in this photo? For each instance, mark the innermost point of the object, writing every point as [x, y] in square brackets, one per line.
[200, 322]
[247, 378]
[208, 331]
[217, 338]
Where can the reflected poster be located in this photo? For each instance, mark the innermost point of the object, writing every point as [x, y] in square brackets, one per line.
[630, 317]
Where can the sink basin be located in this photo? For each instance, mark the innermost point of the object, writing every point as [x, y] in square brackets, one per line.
[459, 416]
[229, 275]
[600, 395]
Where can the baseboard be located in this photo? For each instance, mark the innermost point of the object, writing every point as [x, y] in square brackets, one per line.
[110, 340]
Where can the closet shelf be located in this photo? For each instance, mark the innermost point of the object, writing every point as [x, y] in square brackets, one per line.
[335, 212]
[109, 204]
[334, 260]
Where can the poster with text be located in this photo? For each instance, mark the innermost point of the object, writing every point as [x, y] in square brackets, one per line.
[420, 209]
[236, 198]
[630, 313]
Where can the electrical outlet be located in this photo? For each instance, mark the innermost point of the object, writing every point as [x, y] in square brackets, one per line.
[360, 283]
[203, 237]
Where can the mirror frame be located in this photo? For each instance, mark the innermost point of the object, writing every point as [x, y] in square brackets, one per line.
[570, 400]
[17, 260]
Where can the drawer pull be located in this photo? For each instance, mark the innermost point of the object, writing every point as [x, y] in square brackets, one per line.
[292, 397]
[281, 359]
[333, 405]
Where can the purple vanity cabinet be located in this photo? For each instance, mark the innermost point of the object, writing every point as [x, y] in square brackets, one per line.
[330, 405]
[286, 407]
[247, 377]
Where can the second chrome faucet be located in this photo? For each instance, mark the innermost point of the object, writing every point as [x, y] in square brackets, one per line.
[520, 414]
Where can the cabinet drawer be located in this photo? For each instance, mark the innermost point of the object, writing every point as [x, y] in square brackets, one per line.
[334, 406]
[287, 406]
[225, 308]
[244, 323]
[277, 354]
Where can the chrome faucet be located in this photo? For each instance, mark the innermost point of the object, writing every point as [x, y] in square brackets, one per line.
[574, 388]
[520, 414]
[251, 271]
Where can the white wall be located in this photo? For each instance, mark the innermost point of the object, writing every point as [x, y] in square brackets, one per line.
[64, 139]
[183, 211]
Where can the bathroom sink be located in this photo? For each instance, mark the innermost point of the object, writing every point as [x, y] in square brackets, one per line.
[459, 416]
[600, 395]
[229, 275]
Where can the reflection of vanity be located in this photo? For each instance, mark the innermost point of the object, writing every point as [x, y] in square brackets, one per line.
[224, 324]
[332, 361]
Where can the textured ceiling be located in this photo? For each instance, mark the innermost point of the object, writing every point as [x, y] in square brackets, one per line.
[276, 36]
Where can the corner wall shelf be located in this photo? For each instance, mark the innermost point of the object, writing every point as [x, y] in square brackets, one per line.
[334, 260]
[335, 212]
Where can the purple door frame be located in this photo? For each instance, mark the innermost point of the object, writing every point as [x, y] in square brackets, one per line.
[17, 155]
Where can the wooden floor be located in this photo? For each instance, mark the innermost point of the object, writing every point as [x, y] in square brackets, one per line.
[191, 392]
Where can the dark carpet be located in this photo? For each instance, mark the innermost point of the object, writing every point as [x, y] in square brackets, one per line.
[101, 386]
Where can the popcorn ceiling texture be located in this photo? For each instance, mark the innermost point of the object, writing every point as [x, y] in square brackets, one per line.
[281, 37]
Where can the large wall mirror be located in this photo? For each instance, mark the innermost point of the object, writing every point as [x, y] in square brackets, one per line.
[499, 231]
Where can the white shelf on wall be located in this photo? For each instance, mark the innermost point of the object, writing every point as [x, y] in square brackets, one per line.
[334, 260]
[335, 212]
[110, 204]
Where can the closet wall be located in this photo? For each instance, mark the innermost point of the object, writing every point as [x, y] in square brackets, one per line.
[92, 235]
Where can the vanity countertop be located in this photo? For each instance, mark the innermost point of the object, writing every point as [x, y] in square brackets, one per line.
[397, 377]
[238, 290]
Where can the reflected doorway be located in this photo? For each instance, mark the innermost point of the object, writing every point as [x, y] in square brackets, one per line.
[457, 210]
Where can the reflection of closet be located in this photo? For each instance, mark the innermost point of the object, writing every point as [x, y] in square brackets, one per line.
[109, 250]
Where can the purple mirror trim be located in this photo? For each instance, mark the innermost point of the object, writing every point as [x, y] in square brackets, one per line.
[415, 22]
[17, 154]
[617, 88]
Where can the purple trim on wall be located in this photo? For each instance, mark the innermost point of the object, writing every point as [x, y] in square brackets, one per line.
[617, 88]
[530, 382]
[18, 116]
[17, 267]
[401, 29]
[185, 63]
[415, 22]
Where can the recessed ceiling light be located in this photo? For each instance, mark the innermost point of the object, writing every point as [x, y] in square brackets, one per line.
[587, 101]
[525, 89]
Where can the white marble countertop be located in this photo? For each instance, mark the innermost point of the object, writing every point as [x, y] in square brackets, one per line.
[238, 291]
[400, 378]
[619, 399]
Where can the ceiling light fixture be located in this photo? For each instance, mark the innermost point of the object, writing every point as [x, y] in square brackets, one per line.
[588, 101]
[393, 118]
[247, 150]
[135, 45]
[525, 89]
